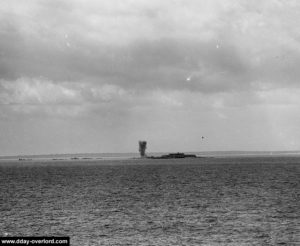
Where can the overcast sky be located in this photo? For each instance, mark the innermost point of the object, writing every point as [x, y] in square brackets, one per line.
[97, 76]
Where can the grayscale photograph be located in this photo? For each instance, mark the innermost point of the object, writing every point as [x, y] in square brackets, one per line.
[150, 122]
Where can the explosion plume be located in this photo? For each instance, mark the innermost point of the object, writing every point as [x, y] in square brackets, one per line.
[142, 148]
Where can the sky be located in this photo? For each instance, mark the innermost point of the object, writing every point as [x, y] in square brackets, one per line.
[96, 76]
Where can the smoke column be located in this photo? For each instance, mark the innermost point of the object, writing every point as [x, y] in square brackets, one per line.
[142, 148]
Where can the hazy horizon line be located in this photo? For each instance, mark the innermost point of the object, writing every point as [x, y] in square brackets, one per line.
[151, 153]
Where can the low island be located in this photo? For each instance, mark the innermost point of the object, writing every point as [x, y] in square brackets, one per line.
[173, 156]
[178, 155]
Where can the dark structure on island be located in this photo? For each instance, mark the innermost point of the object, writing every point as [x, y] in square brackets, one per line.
[178, 155]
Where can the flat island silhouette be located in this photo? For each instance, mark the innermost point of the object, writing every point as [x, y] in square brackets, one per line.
[178, 155]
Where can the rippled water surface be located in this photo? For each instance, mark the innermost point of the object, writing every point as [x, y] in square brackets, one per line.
[213, 201]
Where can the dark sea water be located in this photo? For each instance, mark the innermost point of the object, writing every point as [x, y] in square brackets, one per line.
[209, 201]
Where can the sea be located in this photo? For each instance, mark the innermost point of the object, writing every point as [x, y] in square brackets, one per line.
[215, 200]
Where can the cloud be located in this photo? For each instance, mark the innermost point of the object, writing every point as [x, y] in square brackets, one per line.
[43, 91]
[219, 45]
[37, 91]
[280, 97]
[159, 69]
[40, 96]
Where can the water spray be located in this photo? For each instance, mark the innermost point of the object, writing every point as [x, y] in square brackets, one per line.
[142, 148]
